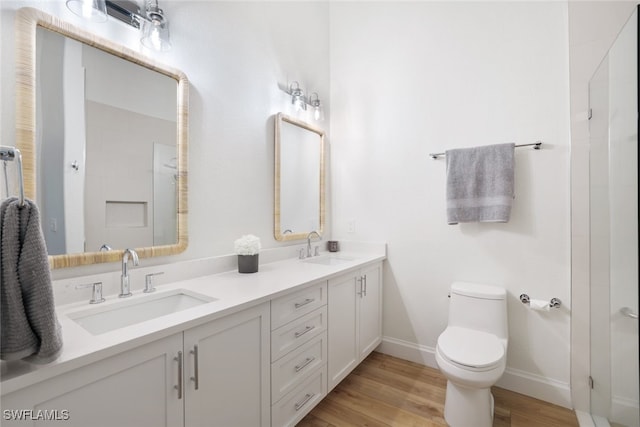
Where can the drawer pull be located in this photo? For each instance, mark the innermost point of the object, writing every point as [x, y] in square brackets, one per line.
[307, 398]
[307, 329]
[179, 386]
[305, 363]
[305, 302]
[196, 378]
[364, 280]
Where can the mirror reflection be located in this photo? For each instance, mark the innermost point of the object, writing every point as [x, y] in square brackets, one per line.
[103, 135]
[299, 179]
[106, 149]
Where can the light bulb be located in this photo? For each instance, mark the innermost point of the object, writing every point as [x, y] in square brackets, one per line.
[155, 38]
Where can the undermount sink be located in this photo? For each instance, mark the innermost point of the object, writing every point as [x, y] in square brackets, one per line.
[99, 320]
[328, 260]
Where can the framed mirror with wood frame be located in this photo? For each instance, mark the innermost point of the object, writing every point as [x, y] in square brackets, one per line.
[29, 23]
[299, 179]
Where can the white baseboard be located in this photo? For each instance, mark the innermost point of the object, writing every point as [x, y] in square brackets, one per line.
[539, 387]
[625, 411]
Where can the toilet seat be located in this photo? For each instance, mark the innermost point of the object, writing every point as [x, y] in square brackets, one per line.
[470, 349]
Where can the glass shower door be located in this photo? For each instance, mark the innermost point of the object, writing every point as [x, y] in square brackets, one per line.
[613, 126]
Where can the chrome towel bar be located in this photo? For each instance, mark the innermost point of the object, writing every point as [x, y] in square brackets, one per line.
[9, 154]
[535, 145]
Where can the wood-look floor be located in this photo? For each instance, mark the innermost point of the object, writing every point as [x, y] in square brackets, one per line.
[386, 391]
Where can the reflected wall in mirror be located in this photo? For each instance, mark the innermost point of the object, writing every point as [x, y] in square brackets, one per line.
[299, 179]
[104, 134]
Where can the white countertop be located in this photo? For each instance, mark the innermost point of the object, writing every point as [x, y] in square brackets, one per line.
[232, 292]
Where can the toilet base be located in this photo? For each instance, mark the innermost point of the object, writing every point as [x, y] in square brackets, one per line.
[468, 407]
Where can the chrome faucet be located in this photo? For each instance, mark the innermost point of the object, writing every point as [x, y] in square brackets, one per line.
[125, 287]
[309, 241]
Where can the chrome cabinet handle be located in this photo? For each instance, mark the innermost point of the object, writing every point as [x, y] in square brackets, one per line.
[359, 280]
[305, 363]
[307, 329]
[196, 377]
[307, 398]
[303, 303]
[626, 311]
[179, 386]
[364, 280]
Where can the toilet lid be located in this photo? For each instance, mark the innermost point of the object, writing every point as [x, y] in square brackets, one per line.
[467, 347]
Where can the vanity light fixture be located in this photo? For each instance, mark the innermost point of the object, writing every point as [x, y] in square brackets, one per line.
[155, 28]
[152, 22]
[297, 96]
[300, 101]
[92, 10]
[314, 101]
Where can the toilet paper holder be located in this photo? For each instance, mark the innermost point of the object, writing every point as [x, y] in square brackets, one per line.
[553, 303]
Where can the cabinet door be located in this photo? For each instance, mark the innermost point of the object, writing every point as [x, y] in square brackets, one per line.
[342, 347]
[136, 388]
[370, 333]
[229, 384]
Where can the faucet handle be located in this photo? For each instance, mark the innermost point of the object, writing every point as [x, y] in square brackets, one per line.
[148, 282]
[96, 295]
[301, 253]
[316, 251]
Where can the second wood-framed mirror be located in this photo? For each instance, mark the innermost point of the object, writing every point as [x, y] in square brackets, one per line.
[103, 134]
[299, 179]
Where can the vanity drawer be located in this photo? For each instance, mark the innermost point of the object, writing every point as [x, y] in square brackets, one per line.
[297, 403]
[294, 334]
[289, 370]
[289, 307]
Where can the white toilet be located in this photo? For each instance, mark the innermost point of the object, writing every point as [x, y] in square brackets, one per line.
[472, 352]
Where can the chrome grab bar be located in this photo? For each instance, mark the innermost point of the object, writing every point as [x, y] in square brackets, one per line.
[626, 311]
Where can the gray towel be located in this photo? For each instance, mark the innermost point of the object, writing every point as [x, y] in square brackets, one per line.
[29, 329]
[480, 183]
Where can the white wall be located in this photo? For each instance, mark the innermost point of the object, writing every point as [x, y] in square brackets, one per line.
[235, 54]
[412, 78]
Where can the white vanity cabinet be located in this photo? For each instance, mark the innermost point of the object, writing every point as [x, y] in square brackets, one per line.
[132, 389]
[228, 386]
[226, 371]
[355, 320]
[298, 353]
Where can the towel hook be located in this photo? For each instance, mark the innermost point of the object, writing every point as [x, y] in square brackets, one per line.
[9, 154]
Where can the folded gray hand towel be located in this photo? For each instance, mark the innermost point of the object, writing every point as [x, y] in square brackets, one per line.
[480, 183]
[30, 329]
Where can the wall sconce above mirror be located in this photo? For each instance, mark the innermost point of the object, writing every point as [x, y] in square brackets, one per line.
[300, 101]
[299, 179]
[152, 22]
[103, 134]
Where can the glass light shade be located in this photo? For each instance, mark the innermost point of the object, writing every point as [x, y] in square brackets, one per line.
[318, 112]
[92, 10]
[155, 35]
[298, 103]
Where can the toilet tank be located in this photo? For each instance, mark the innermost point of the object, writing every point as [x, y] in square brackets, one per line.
[480, 307]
